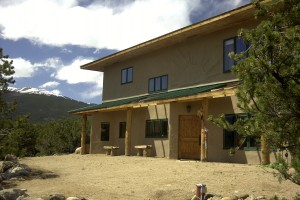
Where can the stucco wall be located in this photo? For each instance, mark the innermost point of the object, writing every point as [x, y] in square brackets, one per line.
[114, 118]
[216, 153]
[197, 60]
[139, 117]
[215, 150]
[168, 147]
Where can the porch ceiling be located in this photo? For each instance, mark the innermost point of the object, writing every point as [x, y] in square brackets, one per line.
[215, 90]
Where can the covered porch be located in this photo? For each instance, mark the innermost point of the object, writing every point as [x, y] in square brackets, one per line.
[186, 111]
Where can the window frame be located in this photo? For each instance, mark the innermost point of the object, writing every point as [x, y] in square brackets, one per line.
[161, 84]
[121, 134]
[126, 70]
[232, 134]
[102, 137]
[235, 49]
[158, 125]
[225, 56]
[246, 145]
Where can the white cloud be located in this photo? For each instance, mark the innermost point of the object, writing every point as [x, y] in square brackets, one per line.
[65, 50]
[23, 68]
[50, 63]
[51, 84]
[92, 92]
[56, 92]
[237, 2]
[58, 23]
[72, 74]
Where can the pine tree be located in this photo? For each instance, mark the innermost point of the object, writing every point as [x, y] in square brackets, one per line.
[270, 74]
[270, 80]
[269, 92]
[6, 108]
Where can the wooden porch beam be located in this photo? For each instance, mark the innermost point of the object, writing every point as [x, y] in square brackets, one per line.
[83, 134]
[128, 132]
[225, 92]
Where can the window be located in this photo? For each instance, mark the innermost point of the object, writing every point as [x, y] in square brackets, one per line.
[251, 143]
[126, 75]
[157, 128]
[232, 139]
[235, 45]
[158, 84]
[104, 131]
[122, 129]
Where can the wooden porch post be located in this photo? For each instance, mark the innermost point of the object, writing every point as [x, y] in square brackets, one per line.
[265, 151]
[203, 118]
[128, 133]
[83, 134]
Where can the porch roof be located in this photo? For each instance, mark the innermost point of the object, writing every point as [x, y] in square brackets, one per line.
[187, 94]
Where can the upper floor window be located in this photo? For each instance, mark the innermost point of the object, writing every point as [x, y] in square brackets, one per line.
[235, 45]
[158, 84]
[126, 75]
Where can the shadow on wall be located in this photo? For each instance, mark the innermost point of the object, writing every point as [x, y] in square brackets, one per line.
[160, 148]
[251, 157]
[241, 157]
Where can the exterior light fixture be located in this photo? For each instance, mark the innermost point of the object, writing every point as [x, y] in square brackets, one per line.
[188, 108]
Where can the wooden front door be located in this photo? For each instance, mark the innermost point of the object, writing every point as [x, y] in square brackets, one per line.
[189, 137]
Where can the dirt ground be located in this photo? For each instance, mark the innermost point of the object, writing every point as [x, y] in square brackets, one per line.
[105, 177]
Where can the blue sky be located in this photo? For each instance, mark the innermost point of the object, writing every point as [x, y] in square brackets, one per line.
[48, 40]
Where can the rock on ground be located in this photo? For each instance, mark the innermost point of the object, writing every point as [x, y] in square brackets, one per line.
[11, 157]
[57, 197]
[12, 194]
[6, 165]
[78, 150]
[72, 198]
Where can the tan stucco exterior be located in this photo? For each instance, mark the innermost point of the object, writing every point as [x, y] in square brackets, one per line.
[195, 59]
[198, 60]
[140, 115]
[168, 147]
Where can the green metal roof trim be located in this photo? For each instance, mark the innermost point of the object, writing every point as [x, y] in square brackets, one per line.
[109, 104]
[184, 92]
[157, 96]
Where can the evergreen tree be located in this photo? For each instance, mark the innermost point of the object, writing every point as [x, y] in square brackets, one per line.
[18, 136]
[6, 108]
[60, 136]
[270, 74]
[21, 140]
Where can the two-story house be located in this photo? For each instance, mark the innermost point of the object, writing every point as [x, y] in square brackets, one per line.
[160, 93]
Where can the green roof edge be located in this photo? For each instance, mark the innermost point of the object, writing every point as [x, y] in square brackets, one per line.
[157, 96]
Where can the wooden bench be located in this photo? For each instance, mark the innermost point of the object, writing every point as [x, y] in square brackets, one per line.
[111, 150]
[143, 150]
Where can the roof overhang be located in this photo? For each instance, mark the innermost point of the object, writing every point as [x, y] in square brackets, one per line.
[225, 20]
[218, 90]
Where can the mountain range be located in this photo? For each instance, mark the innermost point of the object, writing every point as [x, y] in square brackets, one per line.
[28, 90]
[42, 105]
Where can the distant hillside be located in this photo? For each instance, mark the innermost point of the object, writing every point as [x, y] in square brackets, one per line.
[42, 105]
